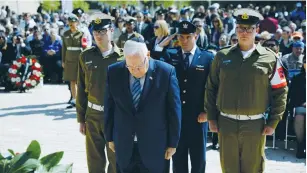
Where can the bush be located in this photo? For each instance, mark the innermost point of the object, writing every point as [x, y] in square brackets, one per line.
[30, 161]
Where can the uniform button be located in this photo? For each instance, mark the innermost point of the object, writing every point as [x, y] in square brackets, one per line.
[183, 102]
[184, 91]
[185, 80]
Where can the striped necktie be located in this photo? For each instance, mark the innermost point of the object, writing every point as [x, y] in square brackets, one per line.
[136, 92]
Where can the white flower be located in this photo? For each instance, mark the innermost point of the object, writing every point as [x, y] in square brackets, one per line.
[10, 70]
[18, 79]
[38, 74]
[24, 85]
[34, 72]
[13, 79]
[18, 64]
[33, 83]
[28, 81]
[37, 65]
[14, 71]
[14, 62]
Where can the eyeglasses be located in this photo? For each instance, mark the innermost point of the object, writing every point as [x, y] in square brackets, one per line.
[138, 68]
[100, 32]
[156, 27]
[247, 30]
[269, 45]
[199, 26]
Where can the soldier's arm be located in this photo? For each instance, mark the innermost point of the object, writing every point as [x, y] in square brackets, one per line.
[81, 101]
[278, 95]
[63, 49]
[109, 105]
[212, 86]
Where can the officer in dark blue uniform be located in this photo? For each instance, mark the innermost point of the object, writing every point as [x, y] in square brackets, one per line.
[192, 67]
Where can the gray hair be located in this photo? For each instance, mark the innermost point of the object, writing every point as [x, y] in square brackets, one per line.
[133, 47]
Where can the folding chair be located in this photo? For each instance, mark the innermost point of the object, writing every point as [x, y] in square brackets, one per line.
[287, 128]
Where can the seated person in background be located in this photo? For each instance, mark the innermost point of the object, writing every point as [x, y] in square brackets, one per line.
[294, 61]
[202, 38]
[297, 100]
[52, 68]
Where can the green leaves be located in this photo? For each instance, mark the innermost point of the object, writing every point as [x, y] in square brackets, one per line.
[34, 149]
[51, 5]
[51, 160]
[29, 162]
[81, 4]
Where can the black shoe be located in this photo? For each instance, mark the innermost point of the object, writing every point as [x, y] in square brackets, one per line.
[72, 105]
[69, 101]
[215, 147]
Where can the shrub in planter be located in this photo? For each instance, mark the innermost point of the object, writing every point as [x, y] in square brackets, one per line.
[30, 161]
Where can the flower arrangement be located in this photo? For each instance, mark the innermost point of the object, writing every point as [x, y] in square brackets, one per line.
[25, 73]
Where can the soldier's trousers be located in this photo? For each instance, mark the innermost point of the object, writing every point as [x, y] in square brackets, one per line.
[96, 144]
[241, 145]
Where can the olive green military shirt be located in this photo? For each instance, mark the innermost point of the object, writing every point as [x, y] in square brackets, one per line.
[92, 75]
[124, 37]
[242, 86]
[71, 43]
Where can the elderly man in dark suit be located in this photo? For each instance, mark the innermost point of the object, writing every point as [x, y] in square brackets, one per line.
[142, 113]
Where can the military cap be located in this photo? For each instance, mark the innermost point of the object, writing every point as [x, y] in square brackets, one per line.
[73, 18]
[101, 21]
[199, 15]
[173, 11]
[247, 16]
[130, 20]
[160, 12]
[184, 10]
[298, 44]
[78, 11]
[186, 27]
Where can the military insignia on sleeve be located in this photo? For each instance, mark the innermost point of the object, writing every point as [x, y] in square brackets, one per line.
[245, 16]
[185, 26]
[98, 21]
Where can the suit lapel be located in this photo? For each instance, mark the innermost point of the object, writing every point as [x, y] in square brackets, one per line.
[195, 58]
[149, 80]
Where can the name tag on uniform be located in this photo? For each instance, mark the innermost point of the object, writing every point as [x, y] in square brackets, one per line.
[226, 61]
[200, 67]
[89, 62]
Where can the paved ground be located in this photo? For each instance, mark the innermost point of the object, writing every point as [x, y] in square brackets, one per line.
[39, 114]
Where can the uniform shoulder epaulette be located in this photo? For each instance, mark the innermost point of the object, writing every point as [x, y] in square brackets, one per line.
[269, 50]
[89, 48]
[226, 47]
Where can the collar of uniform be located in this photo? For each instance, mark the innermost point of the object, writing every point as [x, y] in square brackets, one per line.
[261, 50]
[192, 51]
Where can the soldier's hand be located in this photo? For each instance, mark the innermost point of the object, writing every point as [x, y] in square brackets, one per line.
[112, 146]
[82, 128]
[268, 130]
[63, 65]
[169, 153]
[304, 104]
[202, 117]
[167, 40]
[213, 126]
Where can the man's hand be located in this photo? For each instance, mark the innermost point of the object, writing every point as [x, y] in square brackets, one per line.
[82, 128]
[169, 153]
[213, 126]
[167, 40]
[202, 117]
[63, 65]
[304, 105]
[112, 146]
[268, 130]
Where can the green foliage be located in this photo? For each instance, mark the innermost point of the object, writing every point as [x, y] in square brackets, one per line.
[81, 4]
[29, 162]
[50, 6]
[116, 3]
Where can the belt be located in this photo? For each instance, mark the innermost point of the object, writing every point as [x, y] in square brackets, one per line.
[74, 48]
[95, 107]
[243, 117]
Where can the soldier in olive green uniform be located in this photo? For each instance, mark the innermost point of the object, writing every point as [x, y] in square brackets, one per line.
[129, 34]
[244, 81]
[71, 50]
[93, 66]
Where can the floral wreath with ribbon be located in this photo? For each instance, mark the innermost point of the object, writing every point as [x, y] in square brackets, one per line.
[25, 73]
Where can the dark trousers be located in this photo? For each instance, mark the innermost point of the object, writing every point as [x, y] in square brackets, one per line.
[192, 142]
[136, 165]
[215, 139]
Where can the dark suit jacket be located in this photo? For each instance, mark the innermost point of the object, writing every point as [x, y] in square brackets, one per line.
[157, 121]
